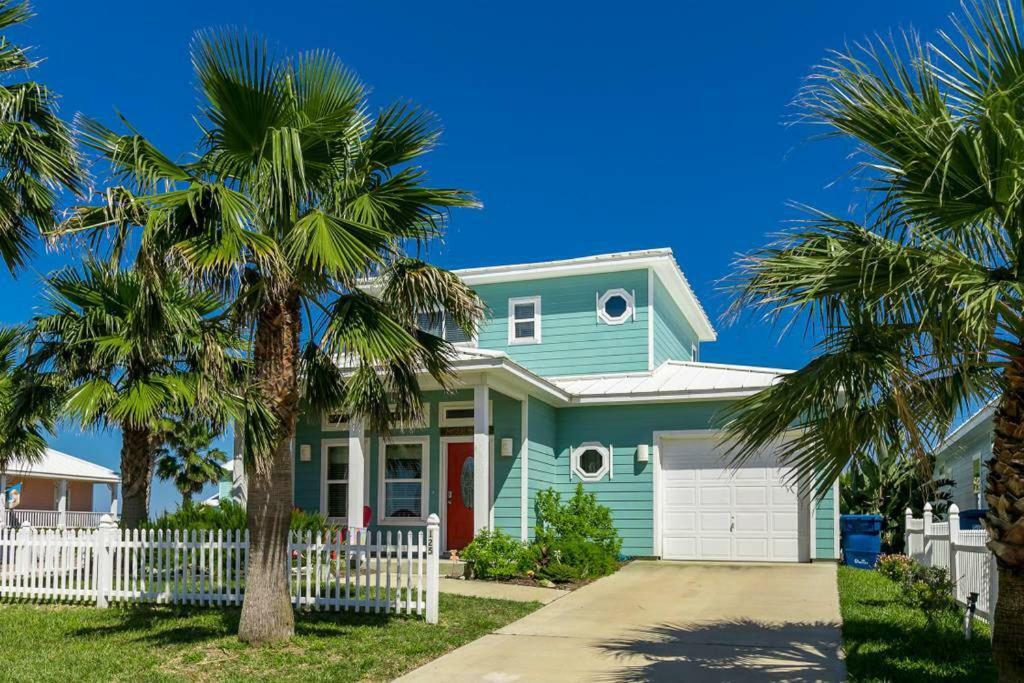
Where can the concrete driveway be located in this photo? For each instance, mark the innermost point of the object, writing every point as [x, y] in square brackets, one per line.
[668, 621]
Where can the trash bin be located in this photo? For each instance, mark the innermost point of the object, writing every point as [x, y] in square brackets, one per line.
[971, 519]
[861, 539]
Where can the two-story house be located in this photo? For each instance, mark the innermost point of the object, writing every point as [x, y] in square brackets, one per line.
[587, 371]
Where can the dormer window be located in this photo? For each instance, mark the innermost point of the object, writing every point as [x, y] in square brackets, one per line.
[616, 306]
[524, 320]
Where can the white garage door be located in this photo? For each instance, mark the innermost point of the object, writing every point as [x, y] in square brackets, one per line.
[713, 512]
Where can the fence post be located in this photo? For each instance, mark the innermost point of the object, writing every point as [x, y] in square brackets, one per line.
[106, 534]
[433, 566]
[926, 543]
[954, 541]
[21, 561]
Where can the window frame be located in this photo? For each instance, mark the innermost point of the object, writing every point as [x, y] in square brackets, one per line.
[512, 320]
[578, 451]
[462, 421]
[325, 445]
[327, 426]
[383, 443]
[628, 315]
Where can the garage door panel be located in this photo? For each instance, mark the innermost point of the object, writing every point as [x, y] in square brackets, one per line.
[712, 512]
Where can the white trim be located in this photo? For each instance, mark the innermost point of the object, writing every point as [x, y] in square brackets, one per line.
[835, 519]
[574, 459]
[628, 314]
[650, 319]
[524, 469]
[424, 481]
[695, 352]
[513, 340]
[325, 444]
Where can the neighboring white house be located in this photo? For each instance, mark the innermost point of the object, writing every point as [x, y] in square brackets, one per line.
[56, 491]
[962, 455]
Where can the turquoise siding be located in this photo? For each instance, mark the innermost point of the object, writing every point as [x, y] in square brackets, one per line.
[573, 341]
[630, 494]
[507, 471]
[507, 417]
[542, 425]
[825, 528]
[673, 336]
[224, 486]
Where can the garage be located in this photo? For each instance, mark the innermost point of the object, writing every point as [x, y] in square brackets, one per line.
[709, 511]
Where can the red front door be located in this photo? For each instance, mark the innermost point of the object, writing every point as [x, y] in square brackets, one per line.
[460, 495]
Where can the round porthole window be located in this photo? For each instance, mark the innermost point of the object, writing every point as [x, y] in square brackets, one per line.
[615, 307]
[590, 461]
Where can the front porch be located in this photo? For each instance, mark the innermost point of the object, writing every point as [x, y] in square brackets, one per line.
[55, 492]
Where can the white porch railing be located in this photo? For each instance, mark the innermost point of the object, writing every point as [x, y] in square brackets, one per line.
[51, 519]
[393, 572]
[963, 554]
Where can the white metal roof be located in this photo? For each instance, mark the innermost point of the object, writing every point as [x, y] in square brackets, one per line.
[63, 466]
[662, 261]
[671, 381]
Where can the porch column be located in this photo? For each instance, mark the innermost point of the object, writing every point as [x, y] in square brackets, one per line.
[481, 458]
[113, 499]
[3, 500]
[62, 503]
[356, 474]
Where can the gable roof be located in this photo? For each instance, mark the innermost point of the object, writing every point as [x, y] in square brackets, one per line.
[63, 466]
[661, 261]
[982, 419]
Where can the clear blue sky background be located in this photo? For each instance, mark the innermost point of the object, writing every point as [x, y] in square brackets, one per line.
[583, 128]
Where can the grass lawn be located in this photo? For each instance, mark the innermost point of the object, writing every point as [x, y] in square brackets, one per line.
[885, 640]
[70, 643]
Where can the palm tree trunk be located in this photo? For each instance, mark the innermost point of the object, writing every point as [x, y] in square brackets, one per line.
[136, 475]
[1005, 522]
[267, 609]
[186, 499]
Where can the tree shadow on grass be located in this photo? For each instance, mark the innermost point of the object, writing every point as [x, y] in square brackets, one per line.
[159, 625]
[729, 650]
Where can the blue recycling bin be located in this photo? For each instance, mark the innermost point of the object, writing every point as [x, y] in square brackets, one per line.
[971, 519]
[861, 539]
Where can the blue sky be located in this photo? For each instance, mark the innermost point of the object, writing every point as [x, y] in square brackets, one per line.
[583, 129]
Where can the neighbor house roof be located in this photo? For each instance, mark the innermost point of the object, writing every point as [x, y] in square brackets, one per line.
[661, 261]
[59, 465]
[981, 418]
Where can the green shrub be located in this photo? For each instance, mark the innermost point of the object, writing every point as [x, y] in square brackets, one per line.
[928, 588]
[571, 559]
[579, 517]
[229, 515]
[899, 568]
[496, 555]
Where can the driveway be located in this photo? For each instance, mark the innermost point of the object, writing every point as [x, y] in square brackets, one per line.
[668, 621]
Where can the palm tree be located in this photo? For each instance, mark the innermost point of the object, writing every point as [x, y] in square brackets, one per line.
[28, 402]
[37, 156]
[132, 349]
[920, 305]
[296, 196]
[187, 457]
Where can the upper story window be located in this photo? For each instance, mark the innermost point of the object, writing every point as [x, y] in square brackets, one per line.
[616, 306]
[524, 320]
[440, 324]
[694, 352]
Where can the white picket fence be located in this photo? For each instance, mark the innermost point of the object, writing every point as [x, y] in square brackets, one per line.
[382, 572]
[962, 553]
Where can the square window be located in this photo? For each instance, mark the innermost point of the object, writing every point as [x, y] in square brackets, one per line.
[524, 320]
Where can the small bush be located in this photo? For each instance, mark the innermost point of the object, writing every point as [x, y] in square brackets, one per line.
[229, 515]
[579, 517]
[928, 588]
[572, 559]
[899, 568]
[496, 555]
